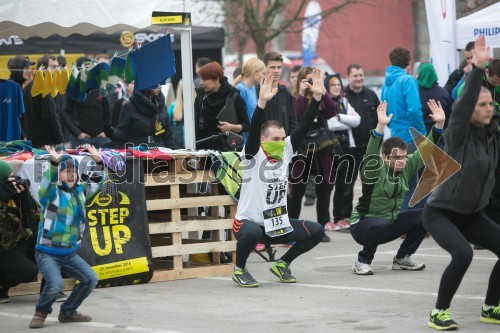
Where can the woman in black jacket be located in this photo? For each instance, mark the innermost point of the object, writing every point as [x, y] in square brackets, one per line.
[143, 120]
[210, 99]
[453, 214]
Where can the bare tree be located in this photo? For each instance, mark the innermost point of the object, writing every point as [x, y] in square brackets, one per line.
[256, 19]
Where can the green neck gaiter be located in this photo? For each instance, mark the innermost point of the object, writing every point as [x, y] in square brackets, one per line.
[274, 149]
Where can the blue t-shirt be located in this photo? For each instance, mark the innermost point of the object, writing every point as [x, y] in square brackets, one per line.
[11, 109]
[249, 95]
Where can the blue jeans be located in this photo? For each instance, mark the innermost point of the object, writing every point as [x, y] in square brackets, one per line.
[95, 141]
[72, 265]
[372, 231]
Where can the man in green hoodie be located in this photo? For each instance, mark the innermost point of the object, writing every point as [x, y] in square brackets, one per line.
[385, 173]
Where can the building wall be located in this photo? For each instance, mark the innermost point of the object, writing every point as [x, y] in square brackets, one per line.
[363, 33]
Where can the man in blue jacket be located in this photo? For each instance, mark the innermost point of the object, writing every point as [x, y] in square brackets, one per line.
[400, 91]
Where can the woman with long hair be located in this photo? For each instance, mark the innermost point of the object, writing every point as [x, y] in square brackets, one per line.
[319, 164]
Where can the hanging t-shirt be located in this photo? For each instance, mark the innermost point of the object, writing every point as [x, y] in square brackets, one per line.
[264, 186]
[11, 109]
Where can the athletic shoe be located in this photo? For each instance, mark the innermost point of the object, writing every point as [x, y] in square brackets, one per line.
[260, 247]
[362, 268]
[244, 279]
[491, 316]
[407, 263]
[325, 239]
[61, 297]
[76, 317]
[310, 201]
[330, 226]
[282, 270]
[343, 225]
[442, 321]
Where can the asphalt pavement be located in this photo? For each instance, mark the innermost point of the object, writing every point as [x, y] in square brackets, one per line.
[327, 297]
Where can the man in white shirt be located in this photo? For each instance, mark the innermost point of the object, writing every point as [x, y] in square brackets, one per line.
[262, 212]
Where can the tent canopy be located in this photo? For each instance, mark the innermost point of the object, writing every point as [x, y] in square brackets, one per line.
[27, 18]
[99, 42]
[484, 22]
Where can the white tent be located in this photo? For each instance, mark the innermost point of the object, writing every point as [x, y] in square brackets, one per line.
[484, 22]
[27, 18]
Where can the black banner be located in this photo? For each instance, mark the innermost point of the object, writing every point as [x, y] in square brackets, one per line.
[116, 239]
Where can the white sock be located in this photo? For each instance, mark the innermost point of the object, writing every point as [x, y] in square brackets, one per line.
[434, 311]
[236, 268]
[487, 307]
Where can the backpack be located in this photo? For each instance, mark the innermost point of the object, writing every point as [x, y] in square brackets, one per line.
[226, 167]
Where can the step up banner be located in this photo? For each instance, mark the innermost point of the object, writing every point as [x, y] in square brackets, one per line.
[116, 239]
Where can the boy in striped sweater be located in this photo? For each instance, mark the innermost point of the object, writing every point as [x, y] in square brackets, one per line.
[62, 222]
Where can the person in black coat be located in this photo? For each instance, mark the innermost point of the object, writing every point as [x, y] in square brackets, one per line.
[429, 88]
[143, 120]
[210, 99]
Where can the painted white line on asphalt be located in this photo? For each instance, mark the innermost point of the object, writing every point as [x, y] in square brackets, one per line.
[94, 324]
[387, 291]
[386, 252]
[449, 257]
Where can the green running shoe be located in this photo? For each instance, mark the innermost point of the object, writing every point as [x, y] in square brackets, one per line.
[244, 279]
[442, 321]
[491, 316]
[282, 270]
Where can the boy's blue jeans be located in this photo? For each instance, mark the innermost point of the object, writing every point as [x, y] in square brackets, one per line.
[72, 265]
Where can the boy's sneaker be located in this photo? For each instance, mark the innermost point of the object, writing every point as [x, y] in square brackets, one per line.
[282, 270]
[4, 295]
[244, 279]
[38, 320]
[490, 316]
[442, 321]
[76, 317]
[362, 268]
[407, 263]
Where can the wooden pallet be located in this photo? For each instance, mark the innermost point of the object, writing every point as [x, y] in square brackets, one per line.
[168, 200]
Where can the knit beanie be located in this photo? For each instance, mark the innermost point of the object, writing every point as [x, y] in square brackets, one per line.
[427, 76]
[5, 170]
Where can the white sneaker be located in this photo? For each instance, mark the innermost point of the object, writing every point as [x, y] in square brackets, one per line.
[361, 268]
[407, 263]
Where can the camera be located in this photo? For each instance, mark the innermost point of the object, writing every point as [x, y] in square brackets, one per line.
[22, 182]
[310, 81]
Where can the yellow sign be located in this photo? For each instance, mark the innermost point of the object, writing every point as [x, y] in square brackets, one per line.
[177, 19]
[121, 268]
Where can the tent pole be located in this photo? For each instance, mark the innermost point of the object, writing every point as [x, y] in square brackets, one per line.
[188, 88]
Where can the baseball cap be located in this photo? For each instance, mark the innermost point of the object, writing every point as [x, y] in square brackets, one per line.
[19, 62]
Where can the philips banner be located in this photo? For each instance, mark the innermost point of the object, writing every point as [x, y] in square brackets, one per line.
[484, 22]
[441, 23]
[310, 32]
[116, 239]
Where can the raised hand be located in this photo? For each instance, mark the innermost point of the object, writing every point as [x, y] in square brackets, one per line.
[437, 113]
[94, 153]
[266, 91]
[383, 118]
[318, 86]
[54, 155]
[481, 52]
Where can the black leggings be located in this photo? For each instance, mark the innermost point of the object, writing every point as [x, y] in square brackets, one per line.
[453, 232]
[322, 201]
[305, 234]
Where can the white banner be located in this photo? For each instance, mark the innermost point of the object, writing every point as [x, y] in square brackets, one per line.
[484, 22]
[310, 32]
[441, 16]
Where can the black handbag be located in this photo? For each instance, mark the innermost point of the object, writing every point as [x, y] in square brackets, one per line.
[228, 112]
[318, 140]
